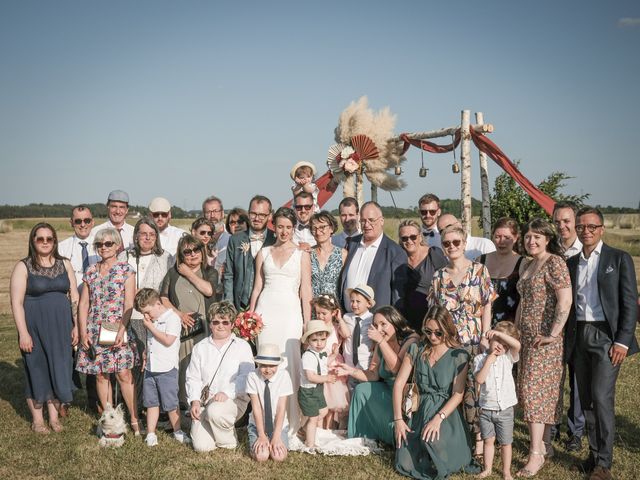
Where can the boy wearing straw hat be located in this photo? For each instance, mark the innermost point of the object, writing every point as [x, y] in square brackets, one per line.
[268, 388]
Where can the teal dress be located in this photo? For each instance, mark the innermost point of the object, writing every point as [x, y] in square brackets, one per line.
[452, 452]
[371, 410]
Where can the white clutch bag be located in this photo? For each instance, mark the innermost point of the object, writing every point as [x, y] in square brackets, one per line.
[108, 333]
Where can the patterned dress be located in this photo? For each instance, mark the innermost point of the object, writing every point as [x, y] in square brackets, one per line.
[540, 370]
[506, 304]
[325, 280]
[106, 296]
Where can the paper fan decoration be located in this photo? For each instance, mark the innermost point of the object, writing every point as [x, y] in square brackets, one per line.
[364, 147]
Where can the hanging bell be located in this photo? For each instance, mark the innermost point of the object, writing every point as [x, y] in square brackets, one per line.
[398, 170]
[423, 172]
[455, 168]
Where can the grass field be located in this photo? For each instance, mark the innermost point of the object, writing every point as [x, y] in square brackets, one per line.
[75, 453]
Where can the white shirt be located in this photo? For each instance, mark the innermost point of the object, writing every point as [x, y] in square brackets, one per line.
[340, 239]
[159, 357]
[221, 249]
[574, 249]
[169, 238]
[433, 241]
[498, 392]
[126, 233]
[232, 375]
[310, 360]
[303, 235]
[360, 266]
[477, 246]
[72, 249]
[279, 386]
[366, 344]
[256, 245]
[150, 271]
[588, 307]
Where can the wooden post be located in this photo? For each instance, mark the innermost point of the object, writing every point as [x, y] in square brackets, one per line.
[465, 177]
[374, 193]
[484, 184]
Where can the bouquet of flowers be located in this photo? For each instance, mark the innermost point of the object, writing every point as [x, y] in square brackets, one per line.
[248, 325]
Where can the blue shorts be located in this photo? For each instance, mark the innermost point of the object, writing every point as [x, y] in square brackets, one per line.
[253, 435]
[160, 390]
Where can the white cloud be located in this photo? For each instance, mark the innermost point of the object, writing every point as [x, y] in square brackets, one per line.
[628, 22]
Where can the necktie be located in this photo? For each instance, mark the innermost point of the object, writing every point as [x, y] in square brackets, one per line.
[122, 247]
[356, 341]
[268, 416]
[428, 233]
[85, 256]
[303, 227]
[322, 354]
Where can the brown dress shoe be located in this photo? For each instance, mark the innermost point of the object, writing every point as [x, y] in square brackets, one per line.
[601, 473]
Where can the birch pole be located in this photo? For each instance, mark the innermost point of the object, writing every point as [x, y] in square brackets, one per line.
[374, 193]
[484, 184]
[465, 177]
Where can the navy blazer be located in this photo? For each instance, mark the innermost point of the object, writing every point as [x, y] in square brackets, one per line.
[239, 272]
[618, 293]
[388, 275]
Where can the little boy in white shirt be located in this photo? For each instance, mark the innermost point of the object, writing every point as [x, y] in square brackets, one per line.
[357, 348]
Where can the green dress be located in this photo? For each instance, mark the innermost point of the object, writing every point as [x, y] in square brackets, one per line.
[371, 410]
[452, 452]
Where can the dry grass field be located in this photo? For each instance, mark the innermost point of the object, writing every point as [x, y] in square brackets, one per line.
[75, 453]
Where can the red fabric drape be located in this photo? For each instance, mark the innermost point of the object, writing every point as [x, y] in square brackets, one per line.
[429, 146]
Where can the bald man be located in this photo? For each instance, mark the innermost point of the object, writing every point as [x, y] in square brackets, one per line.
[476, 246]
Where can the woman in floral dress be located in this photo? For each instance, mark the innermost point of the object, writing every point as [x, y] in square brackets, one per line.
[326, 259]
[108, 299]
[545, 300]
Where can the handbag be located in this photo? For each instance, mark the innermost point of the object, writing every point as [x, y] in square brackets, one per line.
[196, 329]
[410, 395]
[204, 393]
[107, 334]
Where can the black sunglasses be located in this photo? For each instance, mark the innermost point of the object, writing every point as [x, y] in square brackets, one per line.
[413, 238]
[429, 332]
[99, 245]
[304, 207]
[447, 243]
[190, 251]
[80, 221]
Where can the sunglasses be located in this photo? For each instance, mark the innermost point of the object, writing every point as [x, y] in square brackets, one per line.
[413, 238]
[437, 333]
[80, 221]
[591, 227]
[447, 243]
[430, 212]
[44, 239]
[160, 214]
[226, 323]
[234, 222]
[207, 233]
[99, 245]
[299, 208]
[190, 251]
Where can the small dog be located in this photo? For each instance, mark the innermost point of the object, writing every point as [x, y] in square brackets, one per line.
[111, 427]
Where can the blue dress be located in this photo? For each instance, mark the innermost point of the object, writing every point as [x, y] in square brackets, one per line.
[49, 366]
[326, 280]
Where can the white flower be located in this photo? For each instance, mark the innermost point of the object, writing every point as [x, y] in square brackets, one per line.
[245, 247]
[346, 152]
[350, 166]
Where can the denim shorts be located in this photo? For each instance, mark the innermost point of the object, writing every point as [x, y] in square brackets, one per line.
[253, 435]
[497, 423]
[160, 389]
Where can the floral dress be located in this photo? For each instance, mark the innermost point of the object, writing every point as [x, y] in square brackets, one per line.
[106, 296]
[325, 280]
[540, 370]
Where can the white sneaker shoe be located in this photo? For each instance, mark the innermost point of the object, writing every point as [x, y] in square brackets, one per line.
[151, 440]
[182, 437]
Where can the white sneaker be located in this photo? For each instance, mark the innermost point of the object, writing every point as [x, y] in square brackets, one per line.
[151, 440]
[181, 437]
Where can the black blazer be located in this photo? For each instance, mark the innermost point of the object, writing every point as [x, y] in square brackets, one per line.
[618, 293]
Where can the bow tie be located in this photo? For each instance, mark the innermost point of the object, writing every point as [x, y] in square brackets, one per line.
[303, 227]
[428, 233]
[322, 354]
[256, 237]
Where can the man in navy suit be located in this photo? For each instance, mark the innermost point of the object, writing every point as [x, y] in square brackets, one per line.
[600, 332]
[375, 260]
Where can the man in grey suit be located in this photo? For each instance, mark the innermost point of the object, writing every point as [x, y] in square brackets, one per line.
[242, 250]
[375, 260]
[600, 332]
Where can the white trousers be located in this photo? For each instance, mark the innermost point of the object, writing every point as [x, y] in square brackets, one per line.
[215, 427]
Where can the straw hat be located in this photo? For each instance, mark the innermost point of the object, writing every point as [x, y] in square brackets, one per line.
[365, 290]
[314, 326]
[302, 164]
[268, 354]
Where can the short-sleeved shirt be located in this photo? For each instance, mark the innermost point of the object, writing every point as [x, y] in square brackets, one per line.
[364, 350]
[161, 358]
[310, 361]
[498, 392]
[279, 386]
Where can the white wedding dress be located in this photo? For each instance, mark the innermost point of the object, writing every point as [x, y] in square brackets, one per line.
[280, 307]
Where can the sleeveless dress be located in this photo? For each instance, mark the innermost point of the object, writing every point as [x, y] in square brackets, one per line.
[49, 366]
[336, 394]
[417, 288]
[325, 280]
[279, 305]
[106, 295]
[452, 452]
[505, 305]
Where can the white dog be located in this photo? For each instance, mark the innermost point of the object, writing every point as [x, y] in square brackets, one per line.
[111, 427]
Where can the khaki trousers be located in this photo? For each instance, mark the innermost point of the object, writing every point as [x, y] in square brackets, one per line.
[215, 428]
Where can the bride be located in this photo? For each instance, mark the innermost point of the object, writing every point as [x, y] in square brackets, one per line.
[282, 295]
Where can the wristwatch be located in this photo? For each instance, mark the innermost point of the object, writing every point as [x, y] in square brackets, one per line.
[442, 415]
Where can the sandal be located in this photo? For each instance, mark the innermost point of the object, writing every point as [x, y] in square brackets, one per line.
[40, 428]
[56, 426]
[525, 472]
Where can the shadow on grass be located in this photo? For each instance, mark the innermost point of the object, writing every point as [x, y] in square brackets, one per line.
[12, 387]
[627, 434]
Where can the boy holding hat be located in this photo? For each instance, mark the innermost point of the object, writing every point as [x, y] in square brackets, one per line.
[268, 388]
[303, 174]
[357, 348]
[313, 375]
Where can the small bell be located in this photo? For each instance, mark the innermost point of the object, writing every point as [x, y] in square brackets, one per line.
[423, 172]
[398, 170]
[455, 168]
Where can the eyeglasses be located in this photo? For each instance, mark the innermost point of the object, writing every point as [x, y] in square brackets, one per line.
[80, 221]
[429, 212]
[299, 208]
[44, 239]
[207, 233]
[429, 333]
[160, 214]
[447, 243]
[259, 216]
[215, 323]
[370, 221]
[591, 227]
[319, 228]
[213, 211]
[99, 245]
[413, 238]
[147, 234]
[190, 251]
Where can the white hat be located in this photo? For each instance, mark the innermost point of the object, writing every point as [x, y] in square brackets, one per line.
[302, 164]
[159, 204]
[364, 290]
[268, 354]
[314, 326]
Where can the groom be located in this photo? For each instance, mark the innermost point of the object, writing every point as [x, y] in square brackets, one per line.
[242, 250]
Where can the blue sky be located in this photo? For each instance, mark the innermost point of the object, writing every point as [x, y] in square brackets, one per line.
[192, 98]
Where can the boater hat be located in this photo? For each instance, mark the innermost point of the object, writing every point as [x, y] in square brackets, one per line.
[268, 354]
[365, 290]
[314, 326]
[302, 164]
